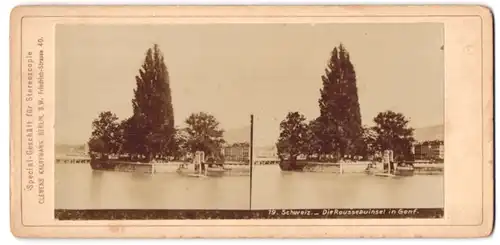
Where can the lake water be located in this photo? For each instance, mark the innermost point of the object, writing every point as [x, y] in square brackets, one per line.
[79, 187]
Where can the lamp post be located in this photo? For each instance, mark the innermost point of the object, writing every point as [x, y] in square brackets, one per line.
[251, 158]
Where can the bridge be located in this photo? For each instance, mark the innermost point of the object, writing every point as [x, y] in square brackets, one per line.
[72, 159]
[266, 160]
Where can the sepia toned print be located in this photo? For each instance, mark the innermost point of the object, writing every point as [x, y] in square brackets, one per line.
[251, 121]
[332, 116]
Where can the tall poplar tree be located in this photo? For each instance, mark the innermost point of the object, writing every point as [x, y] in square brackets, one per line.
[150, 131]
[340, 114]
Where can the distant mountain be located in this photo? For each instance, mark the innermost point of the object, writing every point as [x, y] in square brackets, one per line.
[237, 135]
[266, 151]
[429, 133]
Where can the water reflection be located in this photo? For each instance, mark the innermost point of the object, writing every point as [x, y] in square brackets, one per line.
[78, 187]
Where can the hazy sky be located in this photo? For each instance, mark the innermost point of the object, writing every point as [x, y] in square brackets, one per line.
[233, 70]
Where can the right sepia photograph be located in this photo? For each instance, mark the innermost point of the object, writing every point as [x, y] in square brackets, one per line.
[267, 117]
[358, 120]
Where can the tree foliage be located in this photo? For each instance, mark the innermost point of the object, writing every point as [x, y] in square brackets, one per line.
[180, 147]
[368, 146]
[314, 138]
[338, 131]
[393, 132]
[106, 135]
[204, 134]
[150, 131]
[340, 114]
[294, 136]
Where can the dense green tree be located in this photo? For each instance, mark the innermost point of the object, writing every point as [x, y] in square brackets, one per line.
[180, 147]
[106, 136]
[314, 139]
[293, 138]
[340, 115]
[132, 135]
[367, 147]
[393, 133]
[97, 147]
[204, 134]
[151, 128]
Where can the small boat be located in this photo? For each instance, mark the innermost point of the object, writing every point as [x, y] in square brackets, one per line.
[196, 175]
[380, 171]
[385, 175]
[188, 170]
[374, 169]
[192, 171]
[215, 172]
[404, 169]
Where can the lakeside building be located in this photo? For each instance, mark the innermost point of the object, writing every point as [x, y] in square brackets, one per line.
[429, 150]
[238, 152]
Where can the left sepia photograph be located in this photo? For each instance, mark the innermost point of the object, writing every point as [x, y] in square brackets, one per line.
[131, 134]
